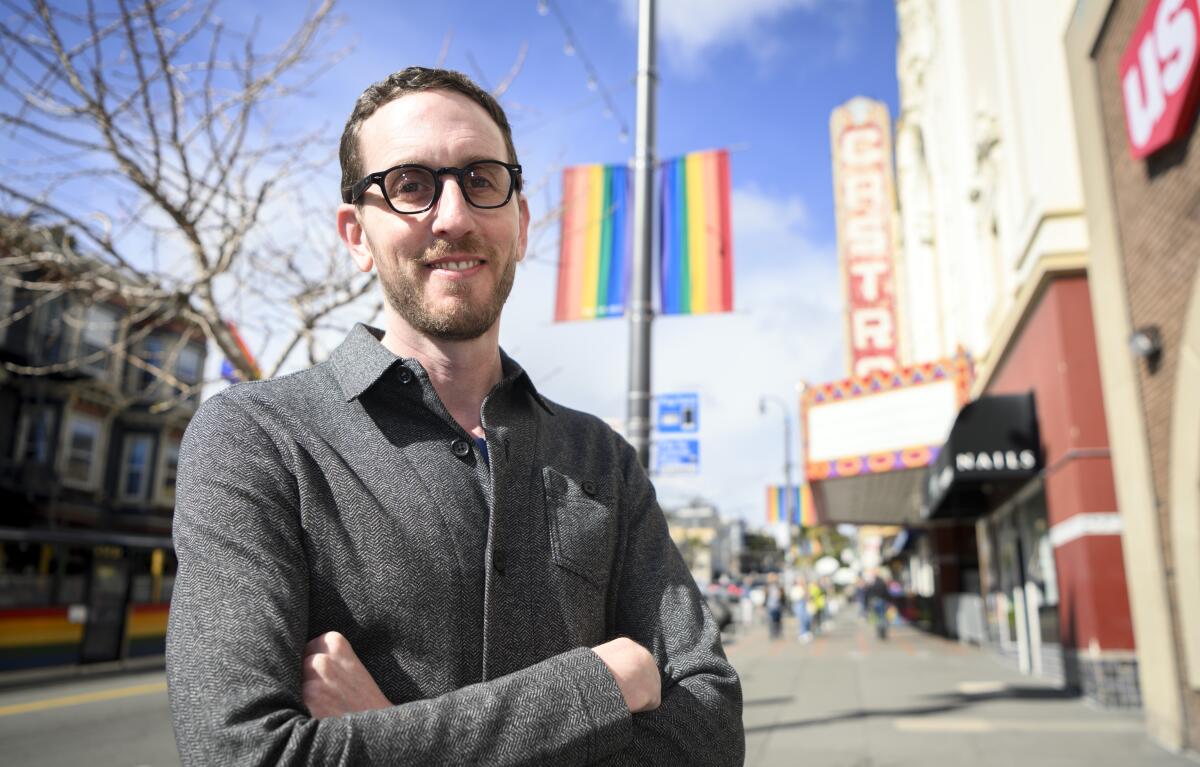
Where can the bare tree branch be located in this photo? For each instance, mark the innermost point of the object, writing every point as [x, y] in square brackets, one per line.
[158, 122]
[515, 70]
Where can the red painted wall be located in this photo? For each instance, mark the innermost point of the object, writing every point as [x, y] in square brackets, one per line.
[1055, 357]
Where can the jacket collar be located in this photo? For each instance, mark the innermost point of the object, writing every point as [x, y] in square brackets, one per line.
[361, 360]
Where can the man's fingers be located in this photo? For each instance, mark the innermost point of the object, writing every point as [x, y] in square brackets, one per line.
[635, 671]
[315, 667]
[330, 642]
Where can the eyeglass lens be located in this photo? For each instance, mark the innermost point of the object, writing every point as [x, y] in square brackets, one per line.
[484, 184]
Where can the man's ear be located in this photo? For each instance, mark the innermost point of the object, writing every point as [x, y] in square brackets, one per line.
[350, 229]
[523, 236]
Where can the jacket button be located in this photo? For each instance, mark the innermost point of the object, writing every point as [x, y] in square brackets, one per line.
[589, 487]
[460, 448]
[499, 561]
[406, 376]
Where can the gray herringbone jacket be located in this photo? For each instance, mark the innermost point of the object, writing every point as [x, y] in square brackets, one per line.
[346, 498]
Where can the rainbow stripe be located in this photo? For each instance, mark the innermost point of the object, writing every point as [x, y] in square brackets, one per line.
[697, 247]
[808, 511]
[38, 636]
[146, 629]
[776, 508]
[803, 511]
[595, 246]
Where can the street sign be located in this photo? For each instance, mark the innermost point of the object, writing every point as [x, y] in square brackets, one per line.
[677, 456]
[678, 413]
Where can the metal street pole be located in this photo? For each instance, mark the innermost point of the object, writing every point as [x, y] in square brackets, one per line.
[641, 312]
[787, 452]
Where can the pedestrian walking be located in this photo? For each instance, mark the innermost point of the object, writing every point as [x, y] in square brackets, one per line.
[798, 595]
[775, 603]
[816, 602]
[877, 595]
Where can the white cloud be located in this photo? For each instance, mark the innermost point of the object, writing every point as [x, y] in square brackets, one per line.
[786, 328]
[758, 213]
[689, 28]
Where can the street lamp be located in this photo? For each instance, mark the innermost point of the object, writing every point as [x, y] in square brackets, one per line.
[787, 450]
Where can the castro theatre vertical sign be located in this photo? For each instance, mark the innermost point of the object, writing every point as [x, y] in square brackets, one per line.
[864, 197]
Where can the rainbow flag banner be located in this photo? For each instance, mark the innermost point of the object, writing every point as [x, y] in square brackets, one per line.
[596, 242]
[803, 512]
[697, 239]
[808, 512]
[777, 507]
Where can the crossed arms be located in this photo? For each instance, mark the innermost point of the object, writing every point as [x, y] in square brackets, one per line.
[248, 684]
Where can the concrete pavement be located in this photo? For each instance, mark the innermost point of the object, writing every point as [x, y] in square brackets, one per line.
[850, 700]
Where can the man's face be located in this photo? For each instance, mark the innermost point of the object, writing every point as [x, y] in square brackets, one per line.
[448, 271]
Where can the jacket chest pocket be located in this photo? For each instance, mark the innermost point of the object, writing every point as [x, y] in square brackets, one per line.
[582, 524]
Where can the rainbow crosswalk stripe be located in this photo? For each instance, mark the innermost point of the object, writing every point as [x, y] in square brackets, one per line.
[697, 245]
[595, 246]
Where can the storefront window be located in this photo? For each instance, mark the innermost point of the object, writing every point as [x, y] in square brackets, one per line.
[1009, 575]
[1039, 563]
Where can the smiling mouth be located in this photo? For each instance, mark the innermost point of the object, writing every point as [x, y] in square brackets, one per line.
[456, 266]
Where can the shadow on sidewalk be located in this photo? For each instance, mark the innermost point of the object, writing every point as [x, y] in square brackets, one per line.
[949, 702]
[770, 701]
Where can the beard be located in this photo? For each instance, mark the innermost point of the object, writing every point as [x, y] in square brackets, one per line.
[460, 320]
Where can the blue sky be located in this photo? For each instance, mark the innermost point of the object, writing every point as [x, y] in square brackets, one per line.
[758, 76]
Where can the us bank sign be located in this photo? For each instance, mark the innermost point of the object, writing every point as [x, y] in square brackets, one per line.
[1159, 82]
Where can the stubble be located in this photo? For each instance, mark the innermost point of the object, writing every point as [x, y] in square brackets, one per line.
[460, 320]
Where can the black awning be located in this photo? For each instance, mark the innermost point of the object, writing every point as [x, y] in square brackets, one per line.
[994, 444]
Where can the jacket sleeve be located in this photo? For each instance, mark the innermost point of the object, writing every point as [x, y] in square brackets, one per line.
[239, 622]
[658, 605]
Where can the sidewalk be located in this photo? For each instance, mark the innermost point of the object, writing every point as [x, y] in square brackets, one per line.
[850, 700]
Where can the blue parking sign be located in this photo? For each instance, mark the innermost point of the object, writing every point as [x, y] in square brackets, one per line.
[677, 456]
[678, 413]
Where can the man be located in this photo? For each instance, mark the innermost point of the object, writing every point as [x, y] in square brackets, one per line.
[877, 595]
[406, 554]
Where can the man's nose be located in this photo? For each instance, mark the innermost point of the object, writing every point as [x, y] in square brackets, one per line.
[452, 216]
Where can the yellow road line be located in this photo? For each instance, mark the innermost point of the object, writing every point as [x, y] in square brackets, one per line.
[84, 697]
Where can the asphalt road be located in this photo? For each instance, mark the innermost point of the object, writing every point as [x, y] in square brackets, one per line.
[117, 720]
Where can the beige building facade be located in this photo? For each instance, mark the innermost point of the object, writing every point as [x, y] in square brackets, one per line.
[997, 250]
[1143, 210]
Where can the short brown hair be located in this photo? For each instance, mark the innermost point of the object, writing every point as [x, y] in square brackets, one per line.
[413, 80]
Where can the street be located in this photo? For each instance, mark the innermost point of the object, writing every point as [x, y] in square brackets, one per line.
[114, 719]
[844, 700]
[850, 700]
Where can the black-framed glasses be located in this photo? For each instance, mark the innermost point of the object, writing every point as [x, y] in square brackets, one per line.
[412, 188]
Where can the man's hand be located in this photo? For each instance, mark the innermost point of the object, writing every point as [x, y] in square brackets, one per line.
[635, 671]
[335, 680]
